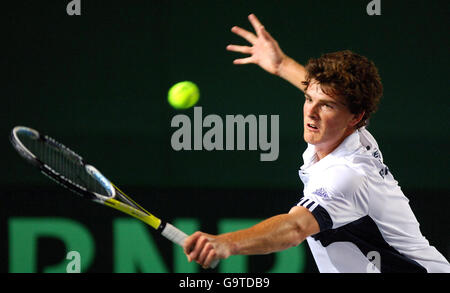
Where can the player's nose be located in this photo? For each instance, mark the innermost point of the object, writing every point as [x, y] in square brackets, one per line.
[311, 111]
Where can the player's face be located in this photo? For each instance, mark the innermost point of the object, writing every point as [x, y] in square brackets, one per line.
[327, 121]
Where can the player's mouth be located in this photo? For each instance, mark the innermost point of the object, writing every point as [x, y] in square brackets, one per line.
[312, 127]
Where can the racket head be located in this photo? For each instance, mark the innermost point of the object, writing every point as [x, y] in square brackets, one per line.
[69, 169]
[61, 164]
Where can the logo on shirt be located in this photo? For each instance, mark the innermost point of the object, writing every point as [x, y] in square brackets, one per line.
[321, 193]
[376, 154]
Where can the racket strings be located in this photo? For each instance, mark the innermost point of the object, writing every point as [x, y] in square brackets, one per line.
[62, 161]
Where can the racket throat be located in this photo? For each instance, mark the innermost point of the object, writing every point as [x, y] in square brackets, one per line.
[138, 214]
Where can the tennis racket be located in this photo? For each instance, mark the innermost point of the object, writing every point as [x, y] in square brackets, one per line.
[67, 168]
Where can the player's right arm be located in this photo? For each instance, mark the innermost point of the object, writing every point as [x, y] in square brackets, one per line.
[271, 235]
[266, 53]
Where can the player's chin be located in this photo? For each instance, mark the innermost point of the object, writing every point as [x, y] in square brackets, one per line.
[310, 137]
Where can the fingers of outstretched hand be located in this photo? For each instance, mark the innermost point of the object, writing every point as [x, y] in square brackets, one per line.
[240, 49]
[250, 37]
[265, 34]
[257, 25]
[247, 60]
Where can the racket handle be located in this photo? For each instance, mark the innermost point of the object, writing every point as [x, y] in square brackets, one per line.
[174, 234]
[177, 236]
[214, 264]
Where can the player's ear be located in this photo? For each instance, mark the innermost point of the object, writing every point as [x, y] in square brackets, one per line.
[357, 118]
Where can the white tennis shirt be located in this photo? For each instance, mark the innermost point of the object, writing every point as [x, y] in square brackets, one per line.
[366, 223]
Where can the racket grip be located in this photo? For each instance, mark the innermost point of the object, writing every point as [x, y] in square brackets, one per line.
[177, 236]
[174, 234]
[214, 264]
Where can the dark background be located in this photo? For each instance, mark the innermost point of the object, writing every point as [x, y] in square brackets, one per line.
[98, 82]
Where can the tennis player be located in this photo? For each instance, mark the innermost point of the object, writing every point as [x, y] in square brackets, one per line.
[353, 214]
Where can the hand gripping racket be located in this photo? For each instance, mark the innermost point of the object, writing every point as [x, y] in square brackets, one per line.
[67, 168]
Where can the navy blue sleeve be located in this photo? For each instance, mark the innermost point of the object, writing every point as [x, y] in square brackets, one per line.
[321, 215]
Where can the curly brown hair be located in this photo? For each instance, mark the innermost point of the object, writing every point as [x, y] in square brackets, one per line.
[349, 75]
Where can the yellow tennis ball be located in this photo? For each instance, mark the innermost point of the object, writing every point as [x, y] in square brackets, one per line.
[183, 95]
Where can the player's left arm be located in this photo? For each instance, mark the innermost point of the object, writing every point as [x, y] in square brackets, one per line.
[271, 235]
[265, 52]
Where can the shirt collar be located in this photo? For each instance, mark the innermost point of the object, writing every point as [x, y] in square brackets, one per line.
[350, 144]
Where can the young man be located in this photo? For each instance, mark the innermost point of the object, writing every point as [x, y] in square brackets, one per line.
[353, 213]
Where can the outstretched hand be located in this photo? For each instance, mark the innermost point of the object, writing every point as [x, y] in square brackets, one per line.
[264, 51]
